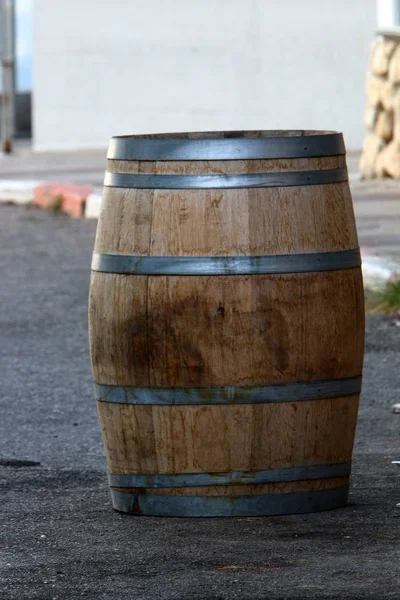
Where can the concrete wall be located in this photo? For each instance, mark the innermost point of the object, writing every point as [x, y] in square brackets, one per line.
[106, 68]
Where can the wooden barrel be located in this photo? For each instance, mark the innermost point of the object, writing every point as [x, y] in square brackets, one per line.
[227, 323]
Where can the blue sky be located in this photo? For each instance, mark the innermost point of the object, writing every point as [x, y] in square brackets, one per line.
[23, 10]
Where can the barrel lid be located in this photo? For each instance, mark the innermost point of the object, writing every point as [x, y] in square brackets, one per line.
[230, 145]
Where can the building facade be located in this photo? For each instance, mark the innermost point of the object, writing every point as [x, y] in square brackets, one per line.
[107, 68]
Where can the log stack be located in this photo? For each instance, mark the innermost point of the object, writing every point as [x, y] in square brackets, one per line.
[381, 150]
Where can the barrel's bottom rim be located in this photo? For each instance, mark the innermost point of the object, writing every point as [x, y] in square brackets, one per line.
[229, 506]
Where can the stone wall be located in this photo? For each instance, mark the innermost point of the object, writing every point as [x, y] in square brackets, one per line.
[381, 150]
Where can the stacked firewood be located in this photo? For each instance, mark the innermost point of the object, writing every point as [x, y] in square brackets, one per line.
[381, 151]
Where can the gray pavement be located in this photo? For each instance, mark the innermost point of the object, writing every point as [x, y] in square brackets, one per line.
[60, 538]
[62, 166]
[377, 210]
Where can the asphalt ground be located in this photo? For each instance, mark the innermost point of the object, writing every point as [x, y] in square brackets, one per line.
[60, 538]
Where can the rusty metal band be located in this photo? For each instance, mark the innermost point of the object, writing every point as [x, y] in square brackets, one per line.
[167, 480]
[229, 148]
[288, 392]
[229, 506]
[226, 265]
[250, 180]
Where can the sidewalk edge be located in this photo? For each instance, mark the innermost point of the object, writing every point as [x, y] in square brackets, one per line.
[379, 270]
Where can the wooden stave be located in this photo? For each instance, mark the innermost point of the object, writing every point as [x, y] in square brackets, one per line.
[124, 166]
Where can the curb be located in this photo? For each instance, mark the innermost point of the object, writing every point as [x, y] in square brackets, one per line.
[378, 271]
[83, 201]
[18, 191]
[74, 200]
[68, 198]
[93, 206]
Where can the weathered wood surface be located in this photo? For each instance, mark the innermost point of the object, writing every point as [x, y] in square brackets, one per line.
[193, 439]
[232, 330]
[218, 222]
[160, 331]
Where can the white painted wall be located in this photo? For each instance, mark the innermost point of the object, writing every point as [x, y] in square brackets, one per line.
[108, 67]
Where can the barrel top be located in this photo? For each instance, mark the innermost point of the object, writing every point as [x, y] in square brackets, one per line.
[226, 145]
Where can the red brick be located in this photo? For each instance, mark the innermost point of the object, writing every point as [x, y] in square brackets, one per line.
[67, 198]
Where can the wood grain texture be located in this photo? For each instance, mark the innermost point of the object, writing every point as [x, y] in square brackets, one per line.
[251, 437]
[159, 331]
[227, 222]
[162, 331]
[218, 222]
[225, 167]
